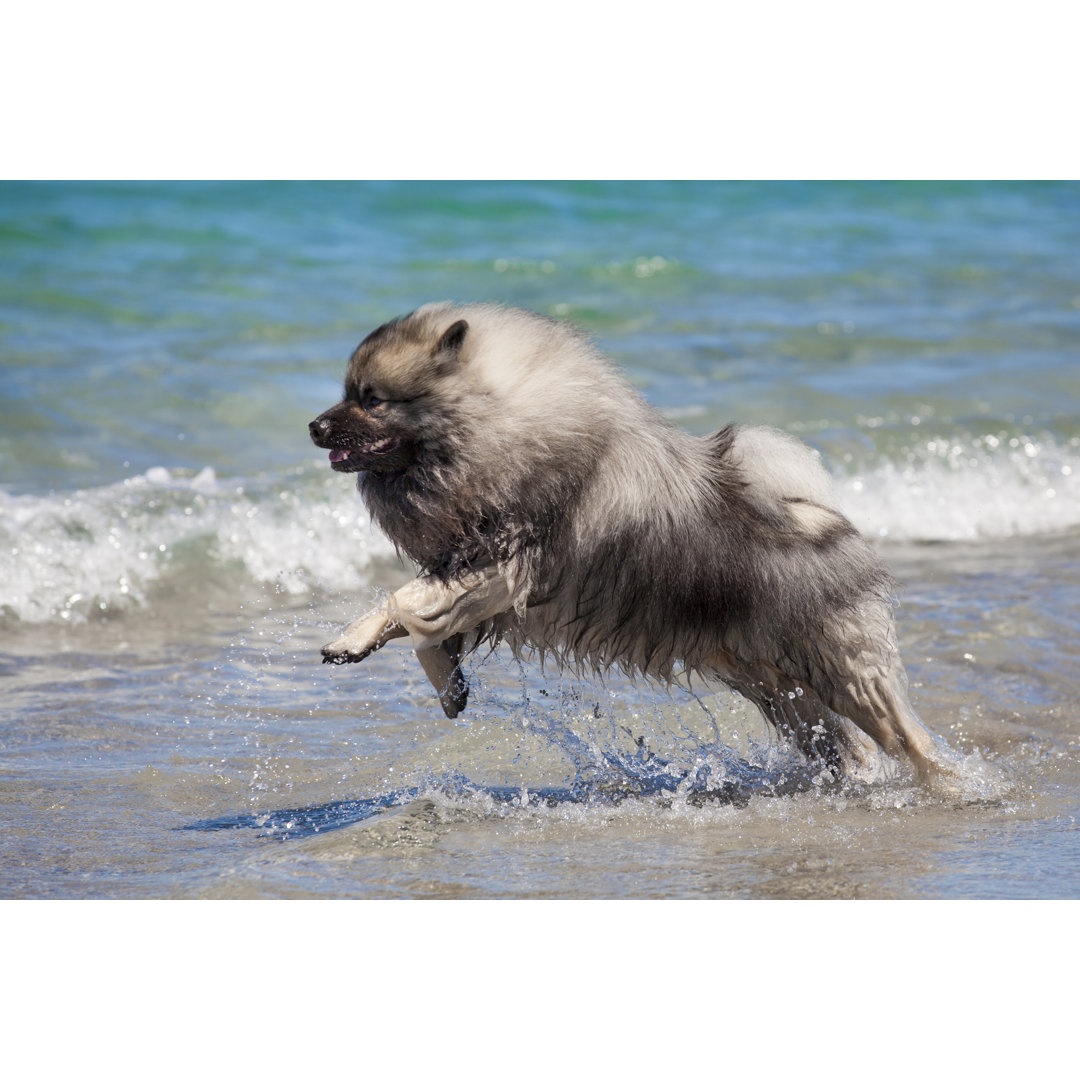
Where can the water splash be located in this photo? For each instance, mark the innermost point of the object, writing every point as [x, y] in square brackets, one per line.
[618, 749]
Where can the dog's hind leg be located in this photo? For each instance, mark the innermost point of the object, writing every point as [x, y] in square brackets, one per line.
[857, 672]
[877, 702]
[798, 714]
[823, 736]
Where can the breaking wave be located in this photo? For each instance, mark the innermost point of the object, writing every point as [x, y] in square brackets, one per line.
[73, 555]
[68, 556]
[966, 488]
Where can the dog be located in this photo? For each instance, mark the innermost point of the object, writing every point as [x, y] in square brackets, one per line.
[548, 506]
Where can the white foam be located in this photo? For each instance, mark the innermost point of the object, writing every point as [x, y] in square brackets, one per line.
[64, 556]
[968, 489]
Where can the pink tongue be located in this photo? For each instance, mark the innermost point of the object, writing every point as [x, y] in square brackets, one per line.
[338, 455]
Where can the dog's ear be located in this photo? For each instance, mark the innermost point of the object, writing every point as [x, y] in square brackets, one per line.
[448, 349]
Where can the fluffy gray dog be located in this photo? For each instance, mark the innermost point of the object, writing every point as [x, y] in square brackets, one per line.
[548, 506]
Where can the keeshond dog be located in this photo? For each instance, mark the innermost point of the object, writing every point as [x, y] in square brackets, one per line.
[548, 506]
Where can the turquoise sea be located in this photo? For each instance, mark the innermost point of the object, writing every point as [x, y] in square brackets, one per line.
[174, 551]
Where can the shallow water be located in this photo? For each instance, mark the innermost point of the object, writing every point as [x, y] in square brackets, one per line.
[173, 552]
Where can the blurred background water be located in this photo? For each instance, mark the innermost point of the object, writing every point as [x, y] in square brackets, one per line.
[173, 551]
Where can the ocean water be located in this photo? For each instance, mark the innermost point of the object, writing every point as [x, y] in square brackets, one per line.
[174, 551]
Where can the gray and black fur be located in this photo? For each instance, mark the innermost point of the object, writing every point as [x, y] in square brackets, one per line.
[488, 436]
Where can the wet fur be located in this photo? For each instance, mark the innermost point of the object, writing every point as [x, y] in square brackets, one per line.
[491, 436]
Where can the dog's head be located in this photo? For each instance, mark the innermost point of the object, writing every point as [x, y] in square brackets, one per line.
[395, 407]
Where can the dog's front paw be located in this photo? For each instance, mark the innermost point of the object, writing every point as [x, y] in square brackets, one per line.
[339, 652]
[361, 639]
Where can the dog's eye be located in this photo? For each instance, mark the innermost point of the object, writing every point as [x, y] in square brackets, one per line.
[373, 402]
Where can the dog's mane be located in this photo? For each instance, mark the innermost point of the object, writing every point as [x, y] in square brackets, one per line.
[614, 518]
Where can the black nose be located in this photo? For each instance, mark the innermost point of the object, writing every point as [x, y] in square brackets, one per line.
[319, 429]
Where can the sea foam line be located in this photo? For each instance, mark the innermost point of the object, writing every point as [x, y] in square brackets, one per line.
[984, 488]
[69, 555]
[66, 556]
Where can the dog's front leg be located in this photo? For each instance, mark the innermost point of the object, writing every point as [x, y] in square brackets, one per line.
[442, 666]
[434, 614]
[432, 610]
[363, 637]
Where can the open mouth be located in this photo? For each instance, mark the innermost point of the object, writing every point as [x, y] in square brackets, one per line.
[358, 457]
